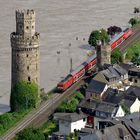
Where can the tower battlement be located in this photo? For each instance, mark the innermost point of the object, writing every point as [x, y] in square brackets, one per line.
[20, 40]
[25, 14]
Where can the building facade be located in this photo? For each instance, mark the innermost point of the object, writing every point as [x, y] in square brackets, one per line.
[25, 48]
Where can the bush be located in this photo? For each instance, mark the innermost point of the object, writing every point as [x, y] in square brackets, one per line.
[133, 54]
[30, 134]
[72, 104]
[116, 56]
[24, 95]
[8, 120]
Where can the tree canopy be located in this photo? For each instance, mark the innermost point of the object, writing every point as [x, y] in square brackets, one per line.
[113, 29]
[24, 95]
[133, 21]
[98, 35]
[30, 134]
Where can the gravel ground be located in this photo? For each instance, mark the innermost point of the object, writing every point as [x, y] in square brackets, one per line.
[59, 23]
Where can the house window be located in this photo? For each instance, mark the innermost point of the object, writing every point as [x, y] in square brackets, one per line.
[130, 79]
[84, 119]
[136, 80]
[27, 67]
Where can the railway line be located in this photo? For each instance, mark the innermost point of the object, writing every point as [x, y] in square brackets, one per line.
[40, 115]
[135, 37]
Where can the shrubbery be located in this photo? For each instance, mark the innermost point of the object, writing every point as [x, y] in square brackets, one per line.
[24, 95]
[116, 56]
[70, 106]
[8, 120]
[133, 54]
[30, 134]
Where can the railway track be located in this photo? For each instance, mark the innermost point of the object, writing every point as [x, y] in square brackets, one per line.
[40, 115]
[135, 37]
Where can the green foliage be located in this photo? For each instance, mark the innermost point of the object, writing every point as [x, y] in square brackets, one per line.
[71, 105]
[78, 96]
[126, 109]
[49, 127]
[8, 120]
[133, 21]
[98, 35]
[133, 54]
[116, 56]
[24, 95]
[30, 134]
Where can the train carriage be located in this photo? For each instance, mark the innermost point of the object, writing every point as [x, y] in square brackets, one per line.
[91, 62]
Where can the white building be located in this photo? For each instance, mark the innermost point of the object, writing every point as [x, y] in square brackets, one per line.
[135, 107]
[68, 122]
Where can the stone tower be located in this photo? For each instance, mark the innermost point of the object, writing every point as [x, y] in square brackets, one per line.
[25, 48]
[103, 54]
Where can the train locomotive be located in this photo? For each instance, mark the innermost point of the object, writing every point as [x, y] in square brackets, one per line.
[80, 71]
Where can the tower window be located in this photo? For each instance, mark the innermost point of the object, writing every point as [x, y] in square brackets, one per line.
[32, 27]
[27, 67]
[29, 78]
[27, 27]
[27, 55]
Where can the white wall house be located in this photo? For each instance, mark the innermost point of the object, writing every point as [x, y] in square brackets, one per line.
[120, 112]
[135, 107]
[68, 122]
[66, 127]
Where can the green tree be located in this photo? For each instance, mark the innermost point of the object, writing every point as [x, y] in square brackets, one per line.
[116, 56]
[24, 95]
[133, 21]
[30, 134]
[98, 35]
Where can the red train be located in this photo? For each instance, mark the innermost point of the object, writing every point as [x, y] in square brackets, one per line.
[90, 63]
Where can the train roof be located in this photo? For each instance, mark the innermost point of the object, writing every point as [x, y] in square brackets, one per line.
[65, 79]
[91, 58]
[78, 68]
[116, 37]
[83, 64]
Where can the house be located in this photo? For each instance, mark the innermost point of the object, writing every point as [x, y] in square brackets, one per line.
[96, 90]
[112, 75]
[127, 99]
[69, 122]
[101, 109]
[134, 76]
[133, 105]
[133, 91]
[116, 132]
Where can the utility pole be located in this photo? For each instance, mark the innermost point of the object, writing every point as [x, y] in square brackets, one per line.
[71, 65]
